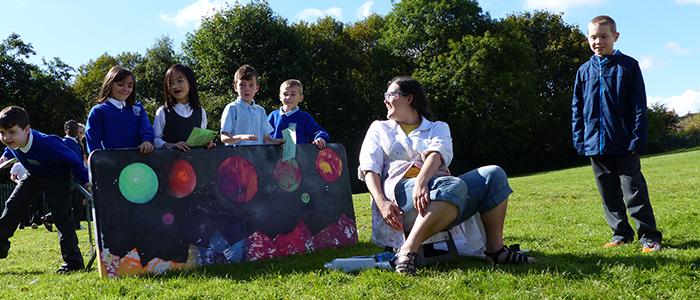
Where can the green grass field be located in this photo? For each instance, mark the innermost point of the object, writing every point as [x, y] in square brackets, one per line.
[557, 215]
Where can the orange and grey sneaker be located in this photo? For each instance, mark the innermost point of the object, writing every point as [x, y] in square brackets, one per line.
[615, 243]
[651, 247]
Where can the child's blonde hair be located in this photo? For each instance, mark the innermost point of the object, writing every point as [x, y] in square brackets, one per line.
[291, 83]
[604, 20]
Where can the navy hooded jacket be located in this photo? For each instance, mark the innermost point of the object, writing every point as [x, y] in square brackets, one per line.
[609, 106]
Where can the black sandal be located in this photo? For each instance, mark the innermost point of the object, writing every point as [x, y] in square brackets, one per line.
[512, 257]
[407, 267]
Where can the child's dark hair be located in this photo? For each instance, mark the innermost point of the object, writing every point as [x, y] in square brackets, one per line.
[116, 74]
[246, 72]
[69, 123]
[14, 115]
[413, 87]
[191, 81]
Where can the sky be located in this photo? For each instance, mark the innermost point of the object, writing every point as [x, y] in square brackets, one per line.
[661, 34]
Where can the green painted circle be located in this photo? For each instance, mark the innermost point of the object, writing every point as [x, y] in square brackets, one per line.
[305, 198]
[138, 183]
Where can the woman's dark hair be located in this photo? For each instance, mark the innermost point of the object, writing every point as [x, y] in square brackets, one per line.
[116, 74]
[413, 87]
[191, 81]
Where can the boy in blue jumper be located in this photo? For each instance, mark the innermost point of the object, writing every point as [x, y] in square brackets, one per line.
[307, 130]
[610, 126]
[71, 128]
[52, 167]
[242, 121]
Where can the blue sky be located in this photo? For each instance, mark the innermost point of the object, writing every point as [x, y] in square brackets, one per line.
[661, 34]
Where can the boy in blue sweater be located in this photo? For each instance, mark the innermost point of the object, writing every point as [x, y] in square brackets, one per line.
[610, 126]
[307, 130]
[52, 167]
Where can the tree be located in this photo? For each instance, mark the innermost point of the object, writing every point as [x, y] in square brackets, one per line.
[559, 49]
[46, 95]
[422, 29]
[150, 72]
[88, 82]
[243, 34]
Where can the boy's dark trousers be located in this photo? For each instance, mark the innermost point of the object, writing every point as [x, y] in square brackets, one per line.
[58, 196]
[615, 171]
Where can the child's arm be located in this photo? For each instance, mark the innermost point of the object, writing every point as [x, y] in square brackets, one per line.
[317, 133]
[272, 141]
[145, 132]
[232, 139]
[93, 130]
[320, 143]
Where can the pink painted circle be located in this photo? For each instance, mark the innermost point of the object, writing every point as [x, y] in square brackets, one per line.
[329, 165]
[237, 179]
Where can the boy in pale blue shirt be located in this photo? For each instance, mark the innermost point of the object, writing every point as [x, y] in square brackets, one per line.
[243, 122]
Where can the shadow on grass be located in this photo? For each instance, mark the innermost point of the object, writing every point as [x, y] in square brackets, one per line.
[565, 265]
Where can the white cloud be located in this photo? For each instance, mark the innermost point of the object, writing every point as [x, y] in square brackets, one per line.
[676, 48]
[688, 102]
[688, 1]
[364, 10]
[561, 6]
[190, 17]
[313, 14]
[649, 61]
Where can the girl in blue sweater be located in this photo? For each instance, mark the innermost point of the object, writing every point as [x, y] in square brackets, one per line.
[118, 121]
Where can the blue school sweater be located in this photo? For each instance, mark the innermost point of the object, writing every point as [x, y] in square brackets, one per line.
[73, 145]
[307, 129]
[48, 156]
[111, 128]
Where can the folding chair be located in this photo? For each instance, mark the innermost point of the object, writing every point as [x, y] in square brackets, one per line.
[89, 203]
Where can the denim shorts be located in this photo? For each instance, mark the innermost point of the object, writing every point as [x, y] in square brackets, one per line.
[479, 190]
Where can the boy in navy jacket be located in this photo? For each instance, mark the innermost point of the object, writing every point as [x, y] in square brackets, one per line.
[52, 167]
[610, 126]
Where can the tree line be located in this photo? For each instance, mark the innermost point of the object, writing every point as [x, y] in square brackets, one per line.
[503, 85]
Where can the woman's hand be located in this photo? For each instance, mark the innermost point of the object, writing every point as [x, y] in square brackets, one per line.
[145, 147]
[421, 193]
[421, 198]
[391, 213]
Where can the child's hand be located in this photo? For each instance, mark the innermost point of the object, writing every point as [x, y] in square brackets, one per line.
[145, 147]
[248, 137]
[182, 146]
[210, 144]
[321, 143]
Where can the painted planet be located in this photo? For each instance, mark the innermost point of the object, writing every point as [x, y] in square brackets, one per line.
[287, 174]
[237, 179]
[179, 177]
[305, 198]
[329, 165]
[138, 183]
[168, 218]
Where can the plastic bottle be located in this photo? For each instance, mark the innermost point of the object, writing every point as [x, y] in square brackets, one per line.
[351, 264]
